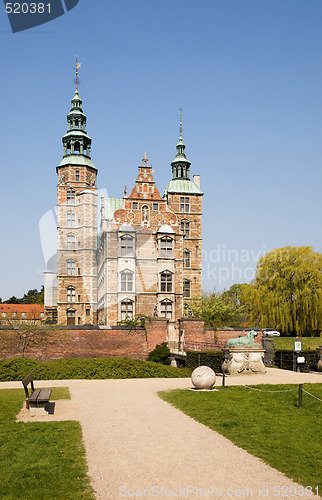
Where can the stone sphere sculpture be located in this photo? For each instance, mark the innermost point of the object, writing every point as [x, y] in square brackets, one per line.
[203, 377]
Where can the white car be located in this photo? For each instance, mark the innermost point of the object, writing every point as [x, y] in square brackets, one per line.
[270, 332]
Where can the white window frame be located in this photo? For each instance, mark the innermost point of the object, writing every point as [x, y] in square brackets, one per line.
[126, 281]
[166, 309]
[71, 294]
[166, 247]
[126, 309]
[127, 245]
[166, 282]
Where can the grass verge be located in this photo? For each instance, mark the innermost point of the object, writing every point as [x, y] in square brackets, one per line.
[288, 343]
[40, 460]
[268, 425]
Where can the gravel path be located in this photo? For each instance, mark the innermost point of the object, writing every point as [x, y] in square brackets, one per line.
[139, 446]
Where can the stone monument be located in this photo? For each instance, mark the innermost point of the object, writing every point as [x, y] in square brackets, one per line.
[244, 356]
[203, 377]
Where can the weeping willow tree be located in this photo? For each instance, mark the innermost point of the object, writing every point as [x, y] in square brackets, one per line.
[286, 293]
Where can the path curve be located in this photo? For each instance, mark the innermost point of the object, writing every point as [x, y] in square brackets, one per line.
[136, 443]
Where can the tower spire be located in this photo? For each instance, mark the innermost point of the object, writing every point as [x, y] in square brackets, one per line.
[77, 80]
[180, 165]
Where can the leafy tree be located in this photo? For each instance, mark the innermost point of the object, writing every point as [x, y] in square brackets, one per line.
[218, 309]
[286, 293]
[31, 297]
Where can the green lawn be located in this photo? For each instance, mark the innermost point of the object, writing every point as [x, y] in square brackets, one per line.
[288, 342]
[40, 459]
[267, 424]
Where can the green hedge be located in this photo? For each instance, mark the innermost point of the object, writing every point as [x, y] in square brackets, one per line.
[284, 359]
[160, 354]
[213, 359]
[78, 368]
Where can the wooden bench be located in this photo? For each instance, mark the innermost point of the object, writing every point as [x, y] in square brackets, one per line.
[38, 397]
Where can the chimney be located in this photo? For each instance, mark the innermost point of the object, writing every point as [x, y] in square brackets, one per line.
[196, 180]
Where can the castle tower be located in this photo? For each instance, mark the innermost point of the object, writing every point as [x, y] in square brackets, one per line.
[185, 200]
[77, 223]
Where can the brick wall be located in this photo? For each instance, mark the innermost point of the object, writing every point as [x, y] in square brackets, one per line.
[89, 343]
[193, 331]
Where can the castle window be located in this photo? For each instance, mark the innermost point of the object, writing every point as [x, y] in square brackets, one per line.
[126, 309]
[155, 206]
[187, 288]
[71, 267]
[4, 314]
[70, 219]
[126, 281]
[166, 281]
[135, 205]
[166, 309]
[186, 258]
[185, 228]
[88, 312]
[14, 315]
[184, 204]
[71, 197]
[126, 246]
[77, 175]
[71, 294]
[166, 247]
[71, 241]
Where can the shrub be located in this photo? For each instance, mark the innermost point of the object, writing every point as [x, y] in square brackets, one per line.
[79, 368]
[213, 359]
[160, 354]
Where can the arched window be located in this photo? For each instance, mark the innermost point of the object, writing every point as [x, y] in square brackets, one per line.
[166, 247]
[126, 309]
[71, 294]
[70, 219]
[186, 258]
[126, 281]
[186, 288]
[166, 281]
[166, 309]
[127, 246]
[71, 241]
[71, 267]
[71, 194]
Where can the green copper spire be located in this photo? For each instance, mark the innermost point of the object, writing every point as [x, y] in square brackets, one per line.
[76, 142]
[180, 165]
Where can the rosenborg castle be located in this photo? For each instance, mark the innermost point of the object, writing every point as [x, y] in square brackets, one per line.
[145, 258]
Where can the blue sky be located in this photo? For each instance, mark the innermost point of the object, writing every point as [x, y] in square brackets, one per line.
[248, 75]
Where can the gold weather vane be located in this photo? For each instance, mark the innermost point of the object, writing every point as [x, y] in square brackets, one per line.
[77, 80]
[180, 129]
